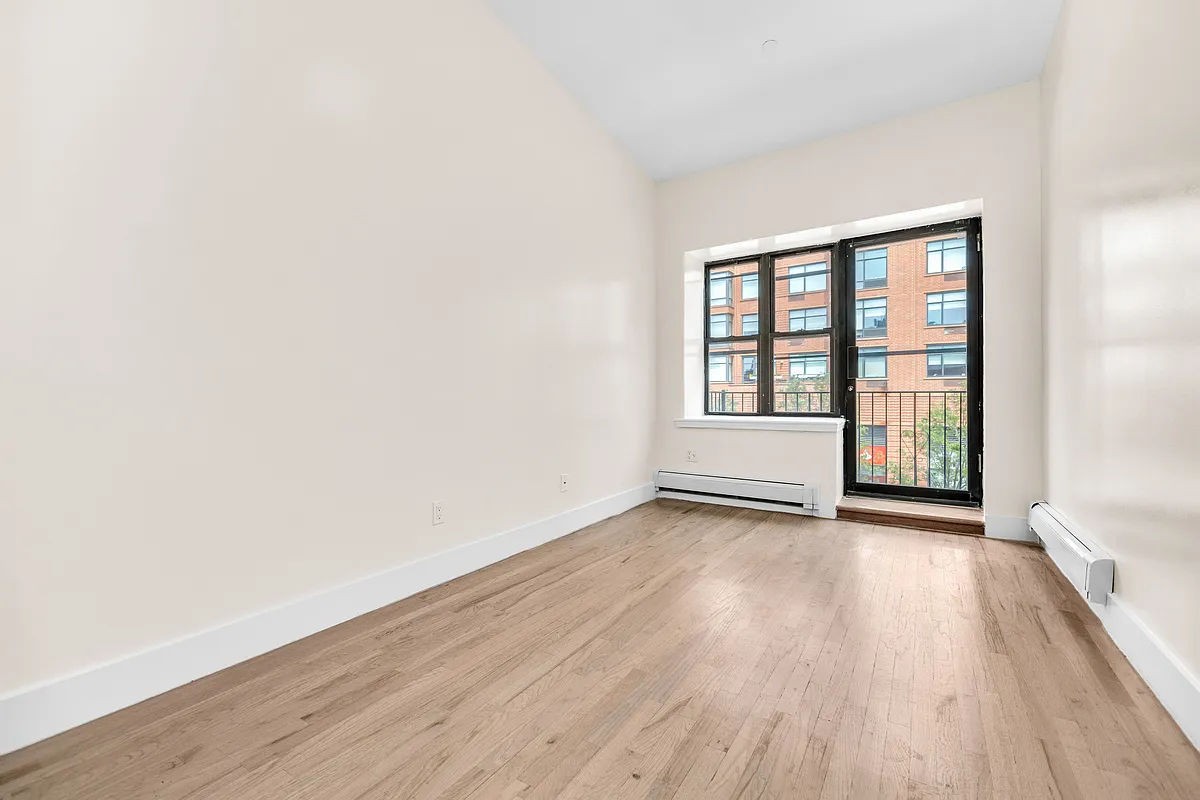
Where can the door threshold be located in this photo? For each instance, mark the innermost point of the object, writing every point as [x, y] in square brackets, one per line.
[922, 515]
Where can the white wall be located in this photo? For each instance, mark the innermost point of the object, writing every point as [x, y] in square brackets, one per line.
[1121, 107]
[273, 277]
[984, 148]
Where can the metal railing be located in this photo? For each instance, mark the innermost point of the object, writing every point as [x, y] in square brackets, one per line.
[913, 439]
[726, 402]
[802, 402]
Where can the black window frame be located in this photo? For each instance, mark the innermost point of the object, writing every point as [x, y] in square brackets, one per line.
[972, 230]
[764, 340]
[843, 344]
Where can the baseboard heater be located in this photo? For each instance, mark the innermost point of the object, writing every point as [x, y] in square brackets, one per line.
[1085, 565]
[791, 498]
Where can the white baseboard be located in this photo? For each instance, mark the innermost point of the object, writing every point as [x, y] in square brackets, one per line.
[1013, 528]
[1176, 687]
[36, 712]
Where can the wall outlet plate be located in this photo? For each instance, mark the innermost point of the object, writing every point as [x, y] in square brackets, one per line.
[691, 456]
[562, 482]
[439, 513]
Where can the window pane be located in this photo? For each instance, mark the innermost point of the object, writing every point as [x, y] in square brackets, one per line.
[870, 268]
[727, 300]
[750, 287]
[802, 285]
[733, 378]
[870, 318]
[801, 375]
[749, 324]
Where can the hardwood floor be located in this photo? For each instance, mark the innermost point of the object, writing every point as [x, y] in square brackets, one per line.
[680, 651]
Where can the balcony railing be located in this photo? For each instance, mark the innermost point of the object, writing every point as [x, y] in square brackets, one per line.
[913, 439]
[726, 402]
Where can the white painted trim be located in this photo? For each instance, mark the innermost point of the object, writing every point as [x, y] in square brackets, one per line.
[1176, 687]
[36, 712]
[1012, 528]
[804, 424]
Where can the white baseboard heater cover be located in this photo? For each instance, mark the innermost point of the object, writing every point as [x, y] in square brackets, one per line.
[792, 498]
[1086, 566]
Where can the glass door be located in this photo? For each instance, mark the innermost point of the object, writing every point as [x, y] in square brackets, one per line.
[913, 389]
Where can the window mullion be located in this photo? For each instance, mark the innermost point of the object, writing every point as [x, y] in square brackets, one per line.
[766, 332]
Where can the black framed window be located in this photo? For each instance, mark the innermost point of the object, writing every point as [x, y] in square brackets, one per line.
[872, 363]
[946, 361]
[779, 337]
[720, 325]
[720, 289]
[946, 255]
[808, 319]
[946, 308]
[870, 268]
[771, 351]
[870, 318]
[804, 278]
[732, 337]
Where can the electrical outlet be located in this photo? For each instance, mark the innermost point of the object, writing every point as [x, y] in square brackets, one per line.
[691, 456]
[439, 513]
[562, 482]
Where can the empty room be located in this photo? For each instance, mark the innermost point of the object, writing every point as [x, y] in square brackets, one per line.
[475, 399]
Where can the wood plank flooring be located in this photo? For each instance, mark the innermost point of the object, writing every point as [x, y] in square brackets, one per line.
[675, 651]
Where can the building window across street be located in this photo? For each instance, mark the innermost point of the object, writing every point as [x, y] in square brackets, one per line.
[946, 255]
[808, 319]
[946, 361]
[720, 289]
[807, 278]
[870, 268]
[870, 318]
[872, 362]
[946, 308]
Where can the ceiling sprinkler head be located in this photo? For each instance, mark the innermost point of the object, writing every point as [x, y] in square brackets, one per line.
[770, 49]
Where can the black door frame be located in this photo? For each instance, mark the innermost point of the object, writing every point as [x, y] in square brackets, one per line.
[973, 229]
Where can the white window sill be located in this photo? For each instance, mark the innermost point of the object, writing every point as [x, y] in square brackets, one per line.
[809, 424]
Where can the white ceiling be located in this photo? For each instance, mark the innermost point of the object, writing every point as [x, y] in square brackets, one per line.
[684, 84]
